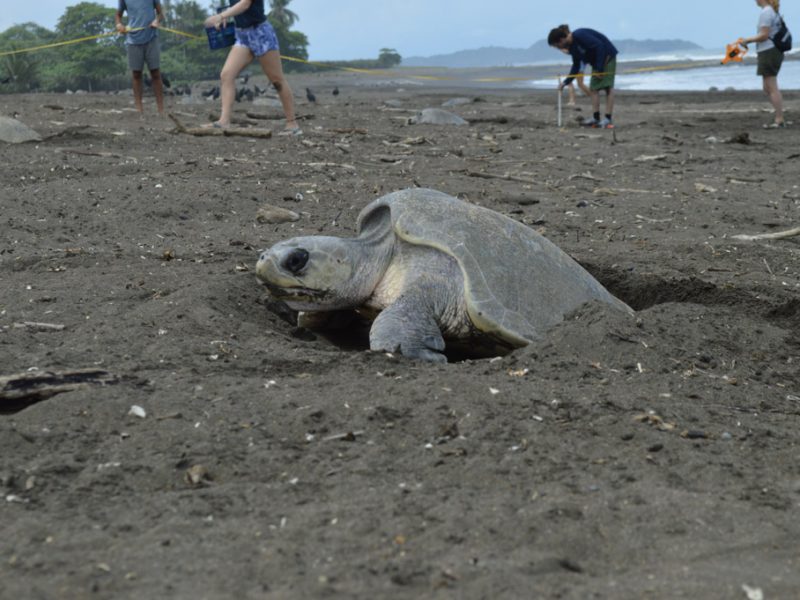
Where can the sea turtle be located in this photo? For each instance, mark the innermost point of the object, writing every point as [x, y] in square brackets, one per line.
[436, 116]
[16, 132]
[429, 267]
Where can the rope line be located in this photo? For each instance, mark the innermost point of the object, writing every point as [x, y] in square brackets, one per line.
[192, 36]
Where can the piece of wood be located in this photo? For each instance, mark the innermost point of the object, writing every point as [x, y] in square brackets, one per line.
[37, 326]
[778, 235]
[218, 131]
[23, 389]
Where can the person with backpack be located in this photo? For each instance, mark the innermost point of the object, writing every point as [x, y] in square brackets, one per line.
[770, 56]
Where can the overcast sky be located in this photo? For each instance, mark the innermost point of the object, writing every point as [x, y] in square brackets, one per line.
[347, 29]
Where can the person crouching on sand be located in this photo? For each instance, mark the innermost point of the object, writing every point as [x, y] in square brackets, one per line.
[587, 46]
[255, 38]
[770, 58]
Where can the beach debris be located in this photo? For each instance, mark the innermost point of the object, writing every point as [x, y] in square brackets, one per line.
[393, 103]
[349, 436]
[436, 116]
[137, 411]
[752, 593]
[314, 273]
[458, 102]
[218, 131]
[650, 157]
[778, 235]
[274, 214]
[35, 326]
[704, 189]
[501, 120]
[13, 131]
[654, 420]
[588, 175]
[23, 389]
[197, 475]
[740, 138]
[507, 177]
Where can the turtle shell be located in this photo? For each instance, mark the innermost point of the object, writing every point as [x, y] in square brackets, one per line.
[16, 132]
[517, 284]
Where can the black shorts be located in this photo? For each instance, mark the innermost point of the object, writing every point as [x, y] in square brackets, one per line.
[769, 62]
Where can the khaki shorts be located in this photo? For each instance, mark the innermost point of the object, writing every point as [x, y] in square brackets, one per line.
[605, 80]
[769, 62]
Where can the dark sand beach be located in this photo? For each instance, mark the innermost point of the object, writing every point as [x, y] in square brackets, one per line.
[647, 457]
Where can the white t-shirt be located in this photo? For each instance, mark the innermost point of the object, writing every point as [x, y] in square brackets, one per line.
[768, 18]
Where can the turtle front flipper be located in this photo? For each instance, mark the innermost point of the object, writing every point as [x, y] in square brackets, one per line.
[408, 326]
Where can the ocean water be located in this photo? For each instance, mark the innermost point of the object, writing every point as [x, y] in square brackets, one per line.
[686, 77]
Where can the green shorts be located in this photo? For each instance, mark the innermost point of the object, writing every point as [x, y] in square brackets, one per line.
[769, 62]
[605, 80]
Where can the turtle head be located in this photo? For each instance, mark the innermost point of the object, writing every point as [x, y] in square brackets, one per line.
[319, 272]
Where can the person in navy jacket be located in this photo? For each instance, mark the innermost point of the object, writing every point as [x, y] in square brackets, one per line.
[587, 46]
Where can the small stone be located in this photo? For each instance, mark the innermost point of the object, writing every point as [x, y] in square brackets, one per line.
[726, 436]
[137, 411]
[274, 215]
[656, 448]
[197, 475]
[627, 436]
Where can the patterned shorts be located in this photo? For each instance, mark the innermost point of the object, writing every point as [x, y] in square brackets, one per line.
[259, 39]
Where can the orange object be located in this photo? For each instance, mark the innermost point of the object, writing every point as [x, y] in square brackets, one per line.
[734, 52]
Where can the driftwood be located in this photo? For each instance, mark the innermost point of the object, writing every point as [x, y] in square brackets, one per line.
[218, 131]
[498, 120]
[778, 235]
[23, 389]
[38, 326]
[506, 177]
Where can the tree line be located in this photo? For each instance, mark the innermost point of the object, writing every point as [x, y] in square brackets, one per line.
[101, 64]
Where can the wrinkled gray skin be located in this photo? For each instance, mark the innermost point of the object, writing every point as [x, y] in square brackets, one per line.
[436, 116]
[429, 267]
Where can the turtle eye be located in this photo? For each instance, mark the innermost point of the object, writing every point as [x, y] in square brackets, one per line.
[296, 260]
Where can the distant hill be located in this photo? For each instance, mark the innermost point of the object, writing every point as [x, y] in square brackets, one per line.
[495, 56]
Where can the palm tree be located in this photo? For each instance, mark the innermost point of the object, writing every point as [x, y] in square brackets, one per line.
[282, 15]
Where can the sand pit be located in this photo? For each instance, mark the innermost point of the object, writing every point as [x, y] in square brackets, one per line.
[204, 446]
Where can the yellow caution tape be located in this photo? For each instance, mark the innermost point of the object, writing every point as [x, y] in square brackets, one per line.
[192, 36]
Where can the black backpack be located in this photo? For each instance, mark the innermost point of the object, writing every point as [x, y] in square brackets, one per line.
[782, 39]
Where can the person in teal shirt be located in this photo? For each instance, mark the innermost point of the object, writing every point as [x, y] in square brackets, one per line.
[142, 45]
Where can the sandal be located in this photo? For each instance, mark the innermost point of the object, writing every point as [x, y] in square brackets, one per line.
[215, 125]
[781, 125]
[293, 131]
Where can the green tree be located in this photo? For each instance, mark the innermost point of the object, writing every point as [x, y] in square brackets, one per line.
[281, 15]
[92, 62]
[184, 59]
[292, 43]
[24, 68]
[388, 57]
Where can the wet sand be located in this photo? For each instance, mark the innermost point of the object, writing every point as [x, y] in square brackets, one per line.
[654, 457]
